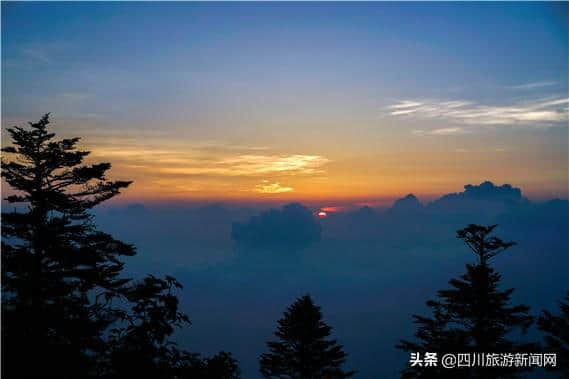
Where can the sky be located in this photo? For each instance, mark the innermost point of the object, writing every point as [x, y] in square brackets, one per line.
[344, 102]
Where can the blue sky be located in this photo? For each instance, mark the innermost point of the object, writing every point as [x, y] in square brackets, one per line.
[360, 97]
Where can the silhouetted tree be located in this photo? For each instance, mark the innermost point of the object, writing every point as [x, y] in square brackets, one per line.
[61, 290]
[220, 366]
[142, 348]
[58, 271]
[303, 350]
[556, 329]
[474, 316]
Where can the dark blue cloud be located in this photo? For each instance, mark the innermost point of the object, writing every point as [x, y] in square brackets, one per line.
[408, 203]
[293, 226]
[480, 198]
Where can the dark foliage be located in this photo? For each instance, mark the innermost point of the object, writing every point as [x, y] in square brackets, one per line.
[556, 329]
[303, 350]
[220, 366]
[63, 298]
[474, 316]
[141, 347]
[58, 271]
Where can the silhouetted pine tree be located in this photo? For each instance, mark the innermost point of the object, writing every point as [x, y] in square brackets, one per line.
[61, 290]
[58, 271]
[474, 316]
[303, 350]
[556, 329]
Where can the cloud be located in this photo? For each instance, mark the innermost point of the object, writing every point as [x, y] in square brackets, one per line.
[404, 107]
[293, 226]
[268, 187]
[181, 167]
[469, 113]
[441, 131]
[254, 165]
[483, 197]
[220, 146]
[532, 85]
[176, 158]
[445, 131]
[409, 203]
[260, 164]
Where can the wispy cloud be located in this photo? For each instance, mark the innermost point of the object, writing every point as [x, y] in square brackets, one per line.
[441, 131]
[469, 113]
[268, 187]
[218, 146]
[254, 165]
[194, 160]
[261, 164]
[532, 85]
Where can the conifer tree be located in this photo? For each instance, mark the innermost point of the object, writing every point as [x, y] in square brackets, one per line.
[556, 329]
[141, 347]
[66, 312]
[473, 316]
[303, 350]
[58, 271]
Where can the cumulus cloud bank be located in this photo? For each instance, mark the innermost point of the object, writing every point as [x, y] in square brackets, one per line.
[483, 198]
[293, 226]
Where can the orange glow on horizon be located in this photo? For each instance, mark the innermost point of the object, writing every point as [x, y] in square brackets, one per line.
[330, 177]
[167, 170]
[338, 208]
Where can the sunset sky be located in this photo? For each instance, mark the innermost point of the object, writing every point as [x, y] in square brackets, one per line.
[298, 101]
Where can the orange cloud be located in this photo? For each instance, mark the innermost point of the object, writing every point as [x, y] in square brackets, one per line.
[267, 187]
